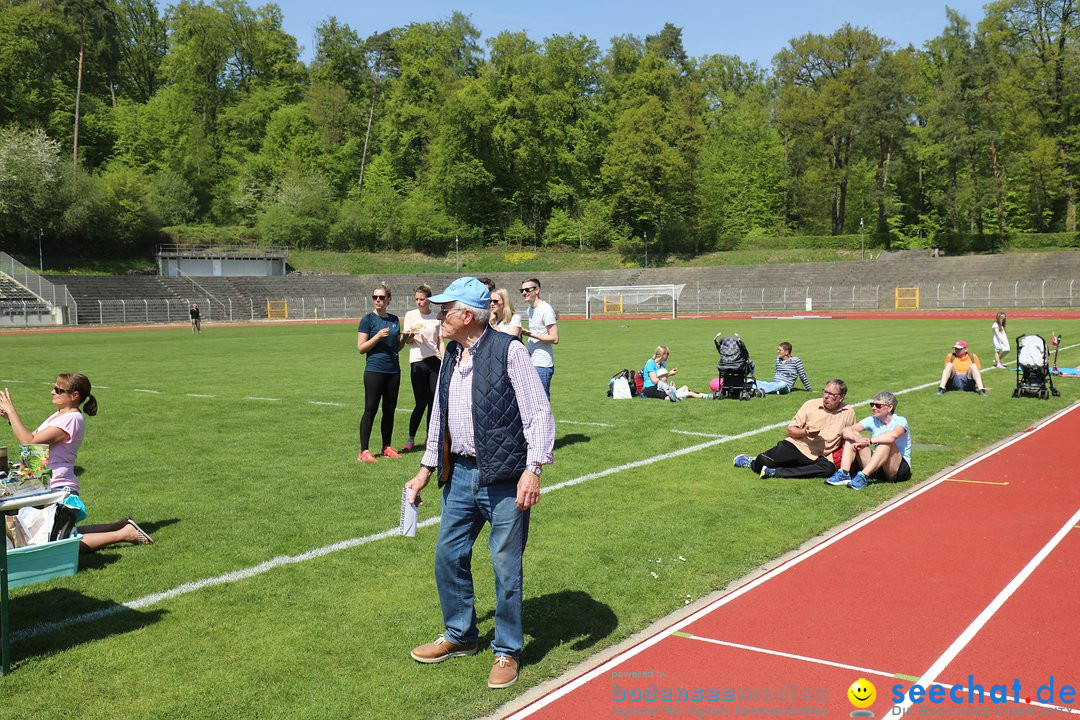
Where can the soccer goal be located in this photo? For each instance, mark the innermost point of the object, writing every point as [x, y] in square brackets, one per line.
[277, 309]
[632, 300]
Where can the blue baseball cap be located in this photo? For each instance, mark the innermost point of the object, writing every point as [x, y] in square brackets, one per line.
[467, 290]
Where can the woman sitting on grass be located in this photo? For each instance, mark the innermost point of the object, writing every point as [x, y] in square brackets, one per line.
[63, 432]
[655, 377]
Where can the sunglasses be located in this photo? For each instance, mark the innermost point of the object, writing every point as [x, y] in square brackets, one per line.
[832, 394]
[528, 289]
[59, 390]
[878, 406]
[378, 297]
[496, 302]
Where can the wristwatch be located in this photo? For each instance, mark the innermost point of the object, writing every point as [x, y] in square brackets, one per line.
[535, 469]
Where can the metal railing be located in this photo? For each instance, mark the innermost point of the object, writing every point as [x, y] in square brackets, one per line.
[696, 299]
[174, 250]
[50, 293]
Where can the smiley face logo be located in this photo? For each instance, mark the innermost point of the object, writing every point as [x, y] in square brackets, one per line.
[862, 693]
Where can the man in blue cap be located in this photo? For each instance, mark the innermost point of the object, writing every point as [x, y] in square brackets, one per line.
[491, 432]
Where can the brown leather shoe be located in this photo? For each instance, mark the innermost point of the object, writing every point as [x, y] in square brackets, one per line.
[441, 649]
[504, 672]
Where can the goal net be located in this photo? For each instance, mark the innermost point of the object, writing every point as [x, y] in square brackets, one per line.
[277, 309]
[632, 300]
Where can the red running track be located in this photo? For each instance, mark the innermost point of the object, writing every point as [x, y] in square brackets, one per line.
[972, 580]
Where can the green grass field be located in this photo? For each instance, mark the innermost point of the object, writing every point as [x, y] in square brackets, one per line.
[246, 452]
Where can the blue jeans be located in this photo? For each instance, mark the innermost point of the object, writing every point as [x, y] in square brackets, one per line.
[465, 508]
[545, 374]
[771, 386]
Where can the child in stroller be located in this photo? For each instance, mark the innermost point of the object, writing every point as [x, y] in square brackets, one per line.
[1033, 368]
[735, 369]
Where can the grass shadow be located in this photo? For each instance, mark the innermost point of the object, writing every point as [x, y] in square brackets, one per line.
[559, 618]
[571, 439]
[41, 622]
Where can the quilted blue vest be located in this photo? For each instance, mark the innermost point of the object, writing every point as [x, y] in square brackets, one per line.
[498, 435]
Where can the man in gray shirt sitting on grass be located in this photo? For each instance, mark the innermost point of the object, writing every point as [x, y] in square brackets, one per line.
[788, 367]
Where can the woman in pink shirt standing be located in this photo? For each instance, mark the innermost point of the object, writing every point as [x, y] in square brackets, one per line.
[63, 432]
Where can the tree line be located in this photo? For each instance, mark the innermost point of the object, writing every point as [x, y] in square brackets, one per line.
[117, 119]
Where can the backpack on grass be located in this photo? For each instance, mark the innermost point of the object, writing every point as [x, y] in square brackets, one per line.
[632, 379]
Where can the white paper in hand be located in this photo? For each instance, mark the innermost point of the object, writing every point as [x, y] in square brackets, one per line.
[408, 515]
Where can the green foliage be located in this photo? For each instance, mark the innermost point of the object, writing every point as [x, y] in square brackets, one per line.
[973, 134]
[173, 197]
[299, 213]
[125, 211]
[31, 175]
[562, 230]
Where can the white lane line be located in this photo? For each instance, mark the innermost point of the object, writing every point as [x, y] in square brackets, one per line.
[930, 676]
[698, 434]
[843, 666]
[142, 390]
[198, 395]
[13, 381]
[318, 402]
[575, 422]
[102, 387]
[790, 656]
[252, 397]
[763, 578]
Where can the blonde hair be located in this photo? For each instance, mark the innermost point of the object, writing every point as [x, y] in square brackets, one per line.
[79, 383]
[660, 351]
[385, 287]
[503, 314]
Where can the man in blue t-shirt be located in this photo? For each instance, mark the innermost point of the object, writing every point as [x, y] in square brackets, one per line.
[885, 455]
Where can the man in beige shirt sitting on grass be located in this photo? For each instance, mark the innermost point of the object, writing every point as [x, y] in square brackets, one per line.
[814, 439]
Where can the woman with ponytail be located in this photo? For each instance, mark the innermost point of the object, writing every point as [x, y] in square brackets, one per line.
[63, 432]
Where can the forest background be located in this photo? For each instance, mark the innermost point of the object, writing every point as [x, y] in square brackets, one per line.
[122, 125]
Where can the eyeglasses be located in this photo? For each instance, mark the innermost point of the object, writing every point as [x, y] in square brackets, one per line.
[528, 289]
[59, 390]
[832, 394]
[878, 406]
[378, 297]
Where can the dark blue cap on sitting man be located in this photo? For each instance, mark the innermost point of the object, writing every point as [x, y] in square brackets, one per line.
[468, 291]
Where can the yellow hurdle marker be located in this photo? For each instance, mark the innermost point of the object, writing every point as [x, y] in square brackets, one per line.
[977, 482]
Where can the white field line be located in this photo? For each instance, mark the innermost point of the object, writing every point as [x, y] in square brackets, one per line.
[320, 402]
[930, 676]
[198, 395]
[698, 434]
[577, 422]
[263, 399]
[141, 390]
[45, 628]
[763, 578]
[13, 381]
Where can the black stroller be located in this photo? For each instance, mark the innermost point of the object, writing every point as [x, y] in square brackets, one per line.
[1033, 368]
[734, 368]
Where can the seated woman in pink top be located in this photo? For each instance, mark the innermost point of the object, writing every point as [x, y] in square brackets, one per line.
[63, 432]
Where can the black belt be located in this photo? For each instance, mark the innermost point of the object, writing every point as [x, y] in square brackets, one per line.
[468, 459]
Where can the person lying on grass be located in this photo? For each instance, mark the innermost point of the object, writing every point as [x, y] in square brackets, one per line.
[63, 432]
[885, 455]
[814, 437]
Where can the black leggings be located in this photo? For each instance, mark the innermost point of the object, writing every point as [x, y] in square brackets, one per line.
[788, 462]
[425, 378]
[379, 386]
